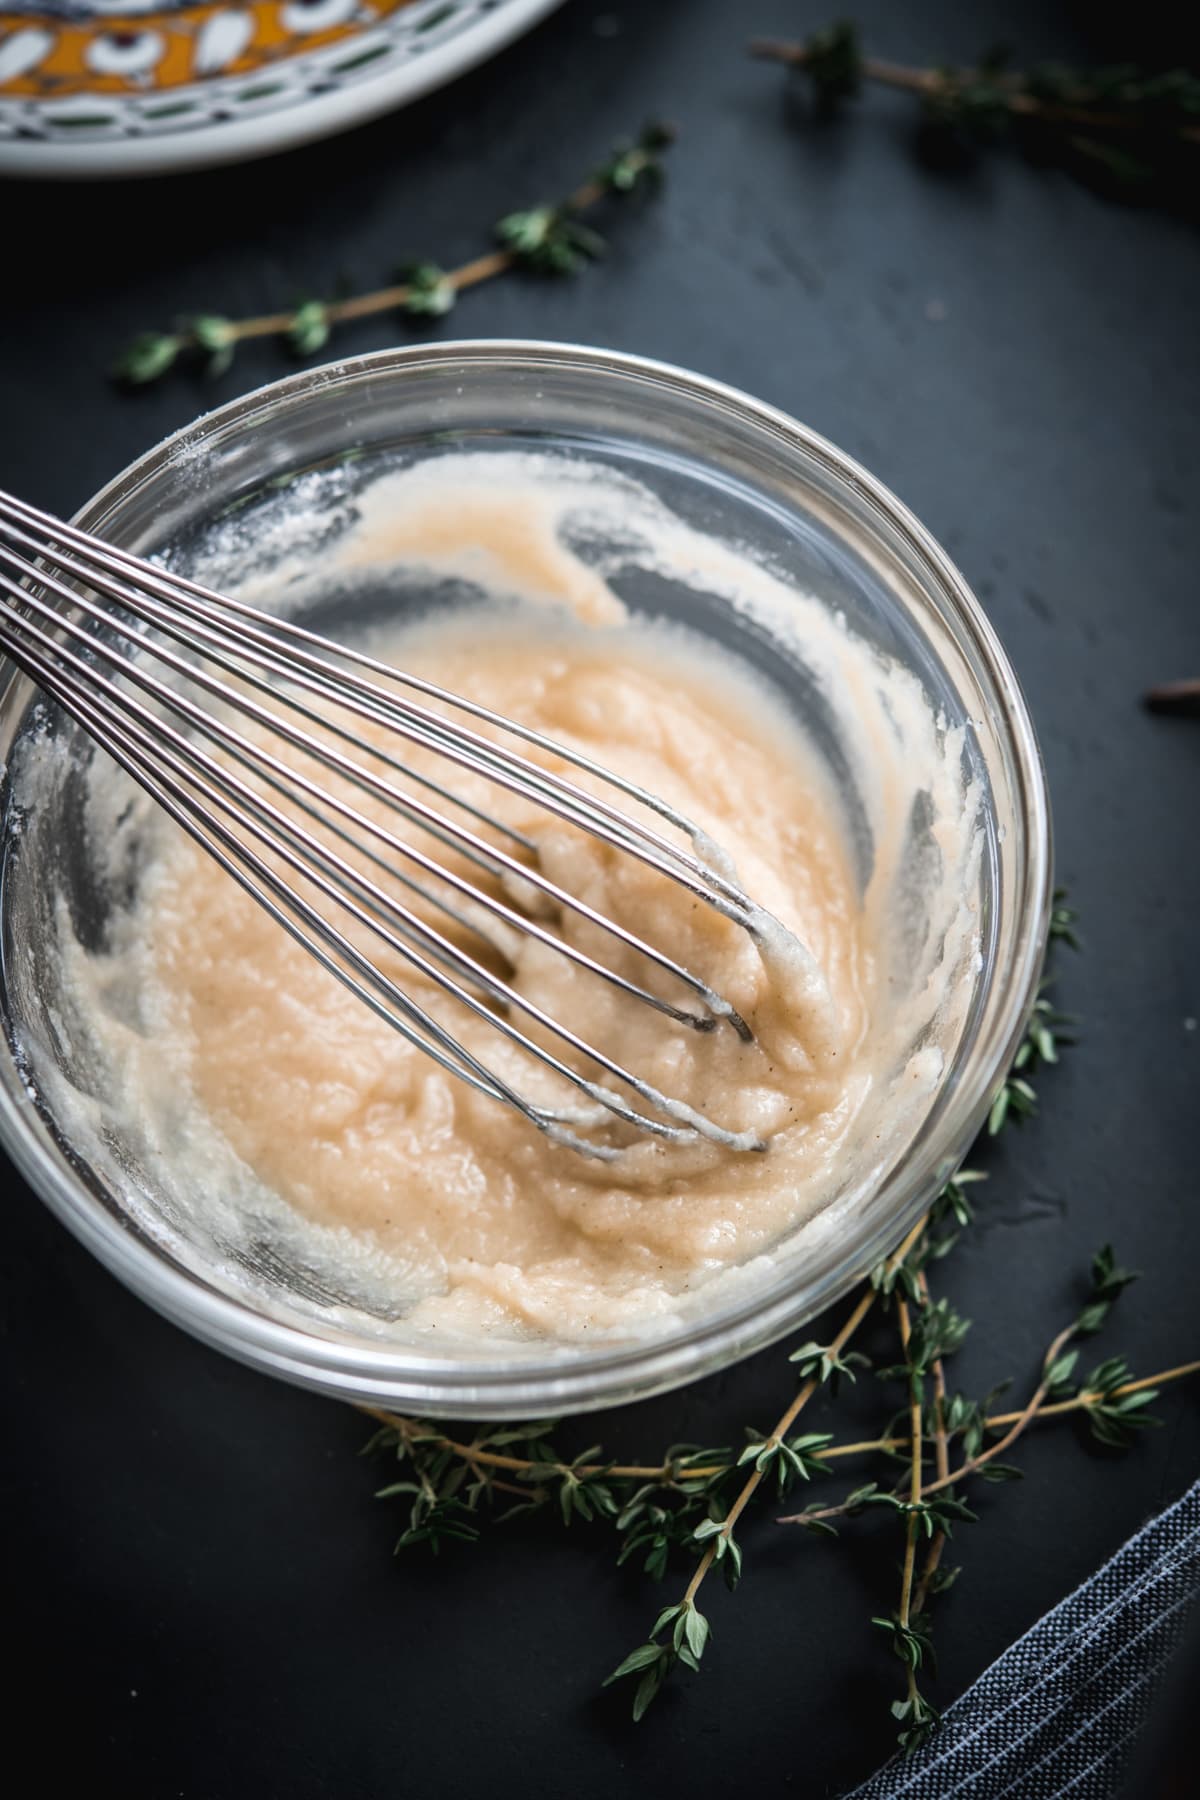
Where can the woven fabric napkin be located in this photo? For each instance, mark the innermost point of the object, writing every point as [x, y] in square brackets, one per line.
[1057, 1715]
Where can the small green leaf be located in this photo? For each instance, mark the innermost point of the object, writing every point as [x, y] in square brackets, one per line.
[1125, 1404]
[549, 240]
[870, 1494]
[652, 1662]
[1092, 1317]
[150, 355]
[821, 1362]
[1108, 1277]
[1107, 1375]
[431, 293]
[821, 1527]
[833, 63]
[641, 1658]
[217, 337]
[636, 165]
[696, 1631]
[666, 1617]
[1063, 920]
[1057, 1376]
[309, 328]
[998, 1472]
[648, 1688]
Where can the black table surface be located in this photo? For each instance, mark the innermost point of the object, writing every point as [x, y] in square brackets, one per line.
[200, 1584]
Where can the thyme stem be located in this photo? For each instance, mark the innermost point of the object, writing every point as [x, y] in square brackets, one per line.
[550, 240]
[1021, 1421]
[666, 1473]
[396, 297]
[910, 1539]
[1087, 1398]
[1019, 1424]
[941, 1453]
[803, 1396]
[933, 84]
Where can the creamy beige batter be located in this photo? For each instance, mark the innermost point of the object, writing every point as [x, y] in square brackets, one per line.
[355, 1127]
[471, 1220]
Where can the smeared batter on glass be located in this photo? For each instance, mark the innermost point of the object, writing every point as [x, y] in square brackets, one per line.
[472, 1221]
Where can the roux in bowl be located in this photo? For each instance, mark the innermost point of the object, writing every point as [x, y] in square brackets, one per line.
[287, 1105]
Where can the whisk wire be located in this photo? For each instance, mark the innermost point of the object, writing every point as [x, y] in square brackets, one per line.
[220, 809]
[180, 591]
[414, 810]
[139, 752]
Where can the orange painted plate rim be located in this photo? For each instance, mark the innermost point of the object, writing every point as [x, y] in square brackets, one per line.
[301, 120]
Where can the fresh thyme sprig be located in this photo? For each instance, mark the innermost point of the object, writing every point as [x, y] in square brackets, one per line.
[932, 1579]
[690, 1503]
[715, 1533]
[545, 239]
[1043, 1039]
[906, 1628]
[687, 1465]
[1136, 126]
[1114, 1402]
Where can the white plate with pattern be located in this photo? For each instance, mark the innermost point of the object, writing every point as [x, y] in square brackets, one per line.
[142, 87]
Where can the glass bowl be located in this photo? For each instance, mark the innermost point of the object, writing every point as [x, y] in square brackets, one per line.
[734, 467]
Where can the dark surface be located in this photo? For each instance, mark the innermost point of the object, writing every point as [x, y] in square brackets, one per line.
[200, 1584]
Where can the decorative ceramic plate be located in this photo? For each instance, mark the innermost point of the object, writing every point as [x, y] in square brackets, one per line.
[138, 87]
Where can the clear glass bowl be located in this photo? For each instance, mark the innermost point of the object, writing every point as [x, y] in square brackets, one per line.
[737, 469]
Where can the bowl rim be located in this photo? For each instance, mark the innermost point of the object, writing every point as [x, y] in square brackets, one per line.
[603, 1376]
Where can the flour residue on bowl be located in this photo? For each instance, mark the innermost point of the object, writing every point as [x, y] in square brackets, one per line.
[301, 1120]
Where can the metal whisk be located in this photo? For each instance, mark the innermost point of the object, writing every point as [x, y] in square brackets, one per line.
[165, 675]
